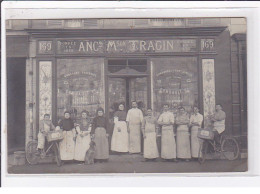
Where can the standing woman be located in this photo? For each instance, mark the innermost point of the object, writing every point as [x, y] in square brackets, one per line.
[149, 129]
[195, 122]
[99, 131]
[183, 136]
[83, 136]
[67, 145]
[168, 145]
[120, 138]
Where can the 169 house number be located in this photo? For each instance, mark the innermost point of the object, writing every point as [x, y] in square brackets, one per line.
[207, 44]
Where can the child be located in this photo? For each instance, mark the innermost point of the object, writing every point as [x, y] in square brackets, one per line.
[45, 126]
[149, 129]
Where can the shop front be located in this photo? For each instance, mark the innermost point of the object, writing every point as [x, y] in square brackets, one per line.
[84, 70]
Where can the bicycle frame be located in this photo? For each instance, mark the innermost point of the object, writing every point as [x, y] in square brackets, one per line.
[213, 143]
[48, 149]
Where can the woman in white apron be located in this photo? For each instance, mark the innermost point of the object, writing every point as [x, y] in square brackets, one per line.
[99, 130]
[149, 129]
[67, 145]
[120, 137]
[183, 135]
[195, 123]
[83, 137]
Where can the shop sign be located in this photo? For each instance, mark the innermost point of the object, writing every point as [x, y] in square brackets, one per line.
[125, 46]
[45, 47]
[207, 44]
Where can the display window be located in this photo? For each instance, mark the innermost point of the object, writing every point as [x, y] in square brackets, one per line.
[80, 86]
[175, 82]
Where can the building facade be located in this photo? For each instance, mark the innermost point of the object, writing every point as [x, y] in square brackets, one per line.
[84, 64]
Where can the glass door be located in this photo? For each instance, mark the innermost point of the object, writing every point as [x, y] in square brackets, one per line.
[125, 90]
[138, 91]
[116, 94]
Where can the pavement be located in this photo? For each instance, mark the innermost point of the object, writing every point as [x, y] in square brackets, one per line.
[132, 164]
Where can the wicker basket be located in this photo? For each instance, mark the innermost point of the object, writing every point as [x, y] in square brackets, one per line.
[54, 135]
[205, 133]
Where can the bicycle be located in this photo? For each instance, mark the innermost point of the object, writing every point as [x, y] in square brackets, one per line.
[53, 139]
[229, 147]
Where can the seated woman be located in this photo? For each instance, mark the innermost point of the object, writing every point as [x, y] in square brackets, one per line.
[149, 129]
[67, 145]
[183, 135]
[44, 127]
[120, 137]
[83, 136]
[99, 131]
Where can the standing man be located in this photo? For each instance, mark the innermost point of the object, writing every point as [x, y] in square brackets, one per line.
[168, 144]
[218, 120]
[134, 121]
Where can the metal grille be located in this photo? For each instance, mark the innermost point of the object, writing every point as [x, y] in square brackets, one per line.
[90, 23]
[141, 22]
[194, 21]
[54, 23]
[39, 23]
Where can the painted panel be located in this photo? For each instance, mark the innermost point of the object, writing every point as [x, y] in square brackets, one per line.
[45, 88]
[208, 76]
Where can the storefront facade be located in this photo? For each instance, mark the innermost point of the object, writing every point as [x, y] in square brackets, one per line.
[83, 69]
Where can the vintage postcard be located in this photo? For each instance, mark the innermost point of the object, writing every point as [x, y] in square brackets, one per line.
[126, 95]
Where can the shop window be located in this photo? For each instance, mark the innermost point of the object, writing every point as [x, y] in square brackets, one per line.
[115, 65]
[124, 65]
[79, 86]
[174, 81]
[139, 65]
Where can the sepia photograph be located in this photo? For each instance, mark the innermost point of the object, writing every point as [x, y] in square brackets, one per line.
[130, 95]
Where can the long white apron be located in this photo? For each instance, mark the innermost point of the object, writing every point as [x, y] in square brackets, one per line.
[183, 142]
[134, 137]
[150, 145]
[195, 142]
[120, 137]
[82, 145]
[67, 145]
[168, 144]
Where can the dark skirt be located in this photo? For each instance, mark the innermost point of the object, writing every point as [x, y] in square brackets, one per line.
[101, 140]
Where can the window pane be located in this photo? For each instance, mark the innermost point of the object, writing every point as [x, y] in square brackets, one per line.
[115, 65]
[138, 64]
[138, 92]
[79, 86]
[175, 80]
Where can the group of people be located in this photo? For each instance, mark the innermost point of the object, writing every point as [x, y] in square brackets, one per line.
[77, 136]
[178, 131]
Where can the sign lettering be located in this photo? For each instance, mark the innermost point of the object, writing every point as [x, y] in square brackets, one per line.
[125, 46]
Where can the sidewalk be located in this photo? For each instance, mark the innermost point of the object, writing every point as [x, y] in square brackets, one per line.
[124, 158]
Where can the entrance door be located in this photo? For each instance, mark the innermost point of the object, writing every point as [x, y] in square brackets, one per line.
[125, 90]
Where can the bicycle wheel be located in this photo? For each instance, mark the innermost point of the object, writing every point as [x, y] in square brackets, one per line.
[203, 152]
[230, 148]
[32, 155]
[57, 153]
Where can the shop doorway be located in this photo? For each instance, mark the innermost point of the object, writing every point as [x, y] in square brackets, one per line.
[127, 89]
[127, 81]
[16, 103]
